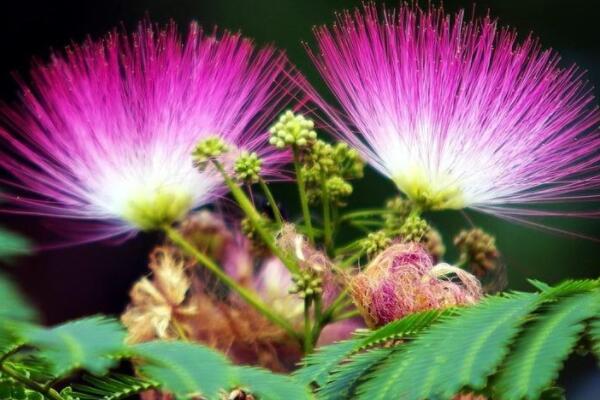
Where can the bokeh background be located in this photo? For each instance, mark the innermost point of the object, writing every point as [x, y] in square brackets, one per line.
[70, 282]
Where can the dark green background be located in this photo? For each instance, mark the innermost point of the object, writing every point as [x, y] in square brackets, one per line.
[103, 273]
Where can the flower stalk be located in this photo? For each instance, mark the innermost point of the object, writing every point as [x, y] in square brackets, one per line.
[327, 226]
[30, 384]
[255, 218]
[249, 296]
[302, 193]
[271, 200]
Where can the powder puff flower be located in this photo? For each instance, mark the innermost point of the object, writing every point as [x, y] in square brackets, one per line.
[402, 280]
[105, 131]
[459, 113]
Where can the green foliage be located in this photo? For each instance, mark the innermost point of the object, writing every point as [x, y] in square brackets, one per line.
[93, 344]
[185, 369]
[12, 245]
[12, 305]
[343, 381]
[510, 345]
[14, 312]
[595, 335]
[190, 370]
[269, 386]
[317, 366]
[112, 387]
[11, 390]
[540, 351]
[407, 326]
[457, 352]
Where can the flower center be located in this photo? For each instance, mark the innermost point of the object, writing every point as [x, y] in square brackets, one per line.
[430, 193]
[153, 210]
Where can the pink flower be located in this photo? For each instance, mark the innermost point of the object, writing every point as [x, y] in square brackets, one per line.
[459, 113]
[402, 280]
[105, 131]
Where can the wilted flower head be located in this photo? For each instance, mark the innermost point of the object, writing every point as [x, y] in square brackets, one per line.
[459, 113]
[157, 302]
[106, 130]
[402, 280]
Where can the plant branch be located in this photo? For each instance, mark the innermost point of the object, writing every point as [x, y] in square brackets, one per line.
[308, 341]
[271, 200]
[256, 220]
[327, 228]
[249, 296]
[29, 383]
[302, 192]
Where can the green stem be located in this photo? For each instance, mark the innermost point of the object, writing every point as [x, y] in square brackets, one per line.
[249, 296]
[308, 341]
[180, 331]
[351, 260]
[256, 220]
[364, 213]
[346, 315]
[302, 193]
[339, 300]
[30, 384]
[327, 228]
[271, 200]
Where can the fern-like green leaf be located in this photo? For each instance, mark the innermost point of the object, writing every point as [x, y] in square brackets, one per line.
[14, 312]
[185, 369]
[570, 287]
[111, 387]
[462, 350]
[317, 365]
[13, 305]
[538, 354]
[12, 245]
[343, 380]
[595, 335]
[405, 327]
[266, 385]
[93, 344]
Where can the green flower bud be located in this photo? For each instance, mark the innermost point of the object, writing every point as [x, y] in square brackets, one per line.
[348, 162]
[292, 130]
[375, 242]
[247, 167]
[338, 189]
[414, 229]
[208, 149]
[306, 284]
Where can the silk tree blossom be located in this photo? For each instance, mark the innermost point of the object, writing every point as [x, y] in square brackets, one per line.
[460, 113]
[105, 131]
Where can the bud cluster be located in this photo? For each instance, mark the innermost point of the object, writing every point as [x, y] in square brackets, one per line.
[331, 166]
[247, 167]
[292, 130]
[307, 284]
[414, 229]
[375, 242]
[207, 150]
[477, 250]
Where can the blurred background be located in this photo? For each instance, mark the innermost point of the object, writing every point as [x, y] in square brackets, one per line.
[71, 282]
